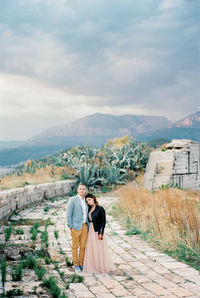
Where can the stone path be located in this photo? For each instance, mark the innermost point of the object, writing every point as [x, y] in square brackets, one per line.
[141, 271]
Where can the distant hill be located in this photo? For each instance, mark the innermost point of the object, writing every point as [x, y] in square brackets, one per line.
[10, 144]
[106, 125]
[96, 129]
[191, 121]
[48, 146]
[186, 128]
[172, 133]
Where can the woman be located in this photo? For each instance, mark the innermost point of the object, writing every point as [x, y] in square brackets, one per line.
[97, 258]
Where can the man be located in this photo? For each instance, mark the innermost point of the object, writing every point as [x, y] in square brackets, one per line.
[77, 221]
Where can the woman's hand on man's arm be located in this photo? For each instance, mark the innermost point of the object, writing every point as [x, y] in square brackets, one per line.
[100, 237]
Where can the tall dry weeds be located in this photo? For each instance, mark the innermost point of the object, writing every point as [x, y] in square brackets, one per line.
[172, 215]
[41, 175]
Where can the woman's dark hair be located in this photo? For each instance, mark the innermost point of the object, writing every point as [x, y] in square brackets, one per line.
[89, 195]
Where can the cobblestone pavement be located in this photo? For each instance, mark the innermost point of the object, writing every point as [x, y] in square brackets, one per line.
[141, 270]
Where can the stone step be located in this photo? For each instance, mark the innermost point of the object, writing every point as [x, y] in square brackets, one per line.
[159, 162]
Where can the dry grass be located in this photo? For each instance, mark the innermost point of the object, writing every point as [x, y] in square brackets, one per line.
[172, 215]
[41, 175]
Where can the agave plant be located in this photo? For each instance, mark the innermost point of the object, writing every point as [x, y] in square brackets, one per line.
[122, 158]
[88, 175]
[114, 175]
[96, 166]
[140, 157]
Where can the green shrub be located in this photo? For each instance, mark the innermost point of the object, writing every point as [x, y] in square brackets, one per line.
[46, 209]
[61, 252]
[25, 183]
[48, 222]
[61, 273]
[17, 272]
[3, 266]
[36, 225]
[47, 260]
[56, 266]
[14, 292]
[75, 278]
[51, 284]
[40, 272]
[19, 232]
[34, 233]
[30, 262]
[44, 236]
[133, 231]
[56, 234]
[68, 263]
[8, 233]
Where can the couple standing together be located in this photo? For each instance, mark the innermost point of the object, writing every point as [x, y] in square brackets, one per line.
[89, 249]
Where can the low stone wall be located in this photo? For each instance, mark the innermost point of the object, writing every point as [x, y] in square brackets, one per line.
[18, 198]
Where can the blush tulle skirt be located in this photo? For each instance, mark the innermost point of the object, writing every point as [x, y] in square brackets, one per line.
[97, 257]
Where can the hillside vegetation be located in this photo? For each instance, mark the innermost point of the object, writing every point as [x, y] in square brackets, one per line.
[115, 163]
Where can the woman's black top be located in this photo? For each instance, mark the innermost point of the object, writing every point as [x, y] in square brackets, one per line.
[99, 219]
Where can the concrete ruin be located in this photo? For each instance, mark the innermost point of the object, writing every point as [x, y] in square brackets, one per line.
[176, 164]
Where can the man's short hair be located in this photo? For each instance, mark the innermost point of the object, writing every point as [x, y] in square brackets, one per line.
[81, 184]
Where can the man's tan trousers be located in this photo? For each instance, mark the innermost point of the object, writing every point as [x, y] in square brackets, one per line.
[79, 242]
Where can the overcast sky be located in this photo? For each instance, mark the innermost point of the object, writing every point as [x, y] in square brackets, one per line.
[65, 59]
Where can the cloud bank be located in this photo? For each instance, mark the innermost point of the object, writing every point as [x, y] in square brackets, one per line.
[64, 59]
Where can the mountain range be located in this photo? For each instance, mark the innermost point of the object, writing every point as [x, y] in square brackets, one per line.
[96, 129]
[106, 125]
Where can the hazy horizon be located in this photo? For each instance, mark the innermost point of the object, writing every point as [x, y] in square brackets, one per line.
[15, 140]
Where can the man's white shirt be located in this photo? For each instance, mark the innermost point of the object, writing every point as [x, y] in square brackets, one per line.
[84, 208]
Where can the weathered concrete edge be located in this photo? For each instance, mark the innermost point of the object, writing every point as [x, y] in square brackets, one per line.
[14, 199]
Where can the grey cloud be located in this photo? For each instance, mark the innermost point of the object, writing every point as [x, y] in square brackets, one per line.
[122, 51]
